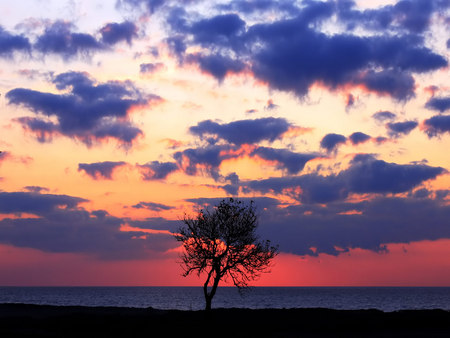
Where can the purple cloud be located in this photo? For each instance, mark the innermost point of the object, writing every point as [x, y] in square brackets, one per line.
[365, 175]
[330, 142]
[113, 33]
[358, 137]
[90, 111]
[152, 206]
[436, 125]
[441, 104]
[10, 43]
[397, 129]
[157, 170]
[244, 131]
[100, 170]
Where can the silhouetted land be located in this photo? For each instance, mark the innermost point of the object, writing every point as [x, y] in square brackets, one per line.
[19, 320]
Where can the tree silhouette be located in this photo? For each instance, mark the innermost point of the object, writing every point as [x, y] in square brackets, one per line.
[222, 243]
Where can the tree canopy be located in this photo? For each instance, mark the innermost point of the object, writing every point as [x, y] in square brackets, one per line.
[222, 244]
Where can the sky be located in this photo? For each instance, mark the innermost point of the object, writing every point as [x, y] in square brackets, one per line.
[120, 117]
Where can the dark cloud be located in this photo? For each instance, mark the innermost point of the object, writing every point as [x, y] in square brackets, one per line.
[384, 116]
[358, 137]
[64, 226]
[58, 38]
[407, 15]
[330, 142]
[152, 206]
[286, 160]
[216, 64]
[90, 111]
[338, 59]
[148, 68]
[399, 85]
[244, 131]
[257, 6]
[421, 193]
[290, 54]
[35, 189]
[10, 43]
[441, 104]
[205, 160]
[442, 194]
[156, 170]
[150, 5]
[113, 33]
[261, 203]
[42, 129]
[365, 175]
[100, 170]
[218, 30]
[338, 227]
[437, 125]
[397, 129]
[34, 203]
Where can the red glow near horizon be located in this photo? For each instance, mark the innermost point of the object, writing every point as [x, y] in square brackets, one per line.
[403, 265]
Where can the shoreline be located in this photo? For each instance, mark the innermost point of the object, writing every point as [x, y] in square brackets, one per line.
[27, 320]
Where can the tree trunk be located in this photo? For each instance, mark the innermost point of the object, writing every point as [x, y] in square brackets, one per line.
[209, 295]
[208, 300]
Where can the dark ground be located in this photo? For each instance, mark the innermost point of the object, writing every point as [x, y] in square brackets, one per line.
[18, 320]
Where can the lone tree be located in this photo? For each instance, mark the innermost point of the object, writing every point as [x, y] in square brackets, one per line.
[222, 244]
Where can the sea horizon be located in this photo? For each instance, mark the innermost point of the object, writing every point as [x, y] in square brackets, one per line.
[259, 297]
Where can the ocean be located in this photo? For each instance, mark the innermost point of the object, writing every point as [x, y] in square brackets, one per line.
[191, 298]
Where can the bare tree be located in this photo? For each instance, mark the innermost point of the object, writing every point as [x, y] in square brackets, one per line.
[222, 244]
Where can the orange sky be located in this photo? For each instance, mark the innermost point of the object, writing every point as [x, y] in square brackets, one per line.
[118, 118]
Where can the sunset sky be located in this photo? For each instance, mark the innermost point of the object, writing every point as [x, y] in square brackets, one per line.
[117, 117]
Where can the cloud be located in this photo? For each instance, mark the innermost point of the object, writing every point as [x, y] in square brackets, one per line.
[261, 203]
[286, 160]
[58, 38]
[258, 6]
[369, 225]
[399, 85]
[156, 170]
[152, 206]
[36, 189]
[114, 32]
[383, 116]
[291, 54]
[217, 65]
[282, 62]
[270, 105]
[412, 16]
[244, 131]
[358, 137]
[148, 68]
[10, 43]
[364, 176]
[441, 104]
[218, 30]
[437, 125]
[206, 160]
[397, 129]
[89, 112]
[64, 226]
[4, 155]
[330, 142]
[100, 170]
[150, 5]
[34, 203]
[350, 101]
